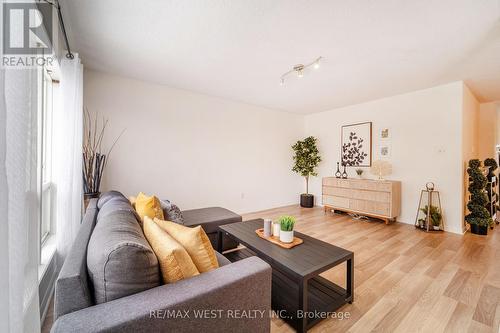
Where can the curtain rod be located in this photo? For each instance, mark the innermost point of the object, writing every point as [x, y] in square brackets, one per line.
[56, 4]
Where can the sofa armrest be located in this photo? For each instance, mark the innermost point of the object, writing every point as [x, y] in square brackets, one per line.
[237, 297]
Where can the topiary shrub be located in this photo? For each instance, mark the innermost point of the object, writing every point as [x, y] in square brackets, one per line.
[478, 215]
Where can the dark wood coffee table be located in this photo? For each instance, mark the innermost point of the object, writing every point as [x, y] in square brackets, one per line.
[299, 295]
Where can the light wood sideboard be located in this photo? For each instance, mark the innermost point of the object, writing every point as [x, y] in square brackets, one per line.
[374, 198]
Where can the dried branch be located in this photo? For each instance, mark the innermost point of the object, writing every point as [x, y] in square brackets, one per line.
[94, 160]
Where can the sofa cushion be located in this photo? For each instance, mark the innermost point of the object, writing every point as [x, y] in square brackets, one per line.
[72, 291]
[223, 261]
[116, 203]
[120, 260]
[209, 218]
[107, 196]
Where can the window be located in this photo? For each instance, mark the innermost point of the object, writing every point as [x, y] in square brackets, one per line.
[45, 126]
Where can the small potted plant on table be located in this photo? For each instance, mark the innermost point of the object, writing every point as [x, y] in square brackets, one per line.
[286, 233]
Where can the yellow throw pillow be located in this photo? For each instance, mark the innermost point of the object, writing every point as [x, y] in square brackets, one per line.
[196, 243]
[175, 262]
[148, 206]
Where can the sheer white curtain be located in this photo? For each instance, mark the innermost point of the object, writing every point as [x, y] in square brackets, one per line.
[68, 125]
[19, 207]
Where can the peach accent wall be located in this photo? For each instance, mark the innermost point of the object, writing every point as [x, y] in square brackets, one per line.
[488, 130]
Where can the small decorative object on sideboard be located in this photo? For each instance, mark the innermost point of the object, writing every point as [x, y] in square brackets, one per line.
[338, 174]
[344, 173]
[479, 218]
[429, 214]
[359, 172]
[286, 231]
[381, 169]
[306, 159]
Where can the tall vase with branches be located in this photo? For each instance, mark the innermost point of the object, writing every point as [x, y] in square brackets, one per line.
[95, 158]
[306, 159]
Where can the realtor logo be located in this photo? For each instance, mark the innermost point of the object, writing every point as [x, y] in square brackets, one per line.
[27, 33]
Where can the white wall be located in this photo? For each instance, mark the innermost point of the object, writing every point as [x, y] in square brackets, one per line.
[425, 129]
[203, 151]
[193, 149]
[488, 130]
[470, 127]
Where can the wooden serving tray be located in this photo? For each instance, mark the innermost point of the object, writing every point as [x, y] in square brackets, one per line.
[276, 240]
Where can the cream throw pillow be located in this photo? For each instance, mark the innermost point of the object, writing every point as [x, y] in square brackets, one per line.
[175, 262]
[196, 243]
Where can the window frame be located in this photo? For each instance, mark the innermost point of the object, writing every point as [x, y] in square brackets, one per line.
[46, 223]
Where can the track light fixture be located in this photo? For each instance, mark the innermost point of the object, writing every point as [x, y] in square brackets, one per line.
[299, 69]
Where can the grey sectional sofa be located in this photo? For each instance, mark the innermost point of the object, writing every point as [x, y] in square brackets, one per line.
[210, 218]
[110, 282]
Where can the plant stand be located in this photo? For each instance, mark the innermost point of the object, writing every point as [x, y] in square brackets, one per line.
[493, 198]
[429, 204]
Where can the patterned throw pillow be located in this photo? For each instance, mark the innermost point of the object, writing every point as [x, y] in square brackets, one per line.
[171, 212]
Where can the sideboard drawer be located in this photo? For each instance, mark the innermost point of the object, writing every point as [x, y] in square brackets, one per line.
[371, 185]
[370, 207]
[371, 195]
[336, 182]
[337, 191]
[335, 201]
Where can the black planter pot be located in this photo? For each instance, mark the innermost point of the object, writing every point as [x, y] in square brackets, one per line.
[478, 229]
[307, 200]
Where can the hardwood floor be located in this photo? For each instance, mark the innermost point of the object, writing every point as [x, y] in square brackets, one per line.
[407, 280]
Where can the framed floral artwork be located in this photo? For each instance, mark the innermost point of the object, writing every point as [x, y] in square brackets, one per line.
[356, 145]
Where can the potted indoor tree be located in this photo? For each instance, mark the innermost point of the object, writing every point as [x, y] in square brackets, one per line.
[306, 159]
[286, 232]
[479, 218]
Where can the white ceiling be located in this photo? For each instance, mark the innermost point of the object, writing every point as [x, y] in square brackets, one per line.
[239, 49]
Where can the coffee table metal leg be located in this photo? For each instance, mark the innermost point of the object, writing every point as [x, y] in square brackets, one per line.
[302, 322]
[350, 280]
[220, 237]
